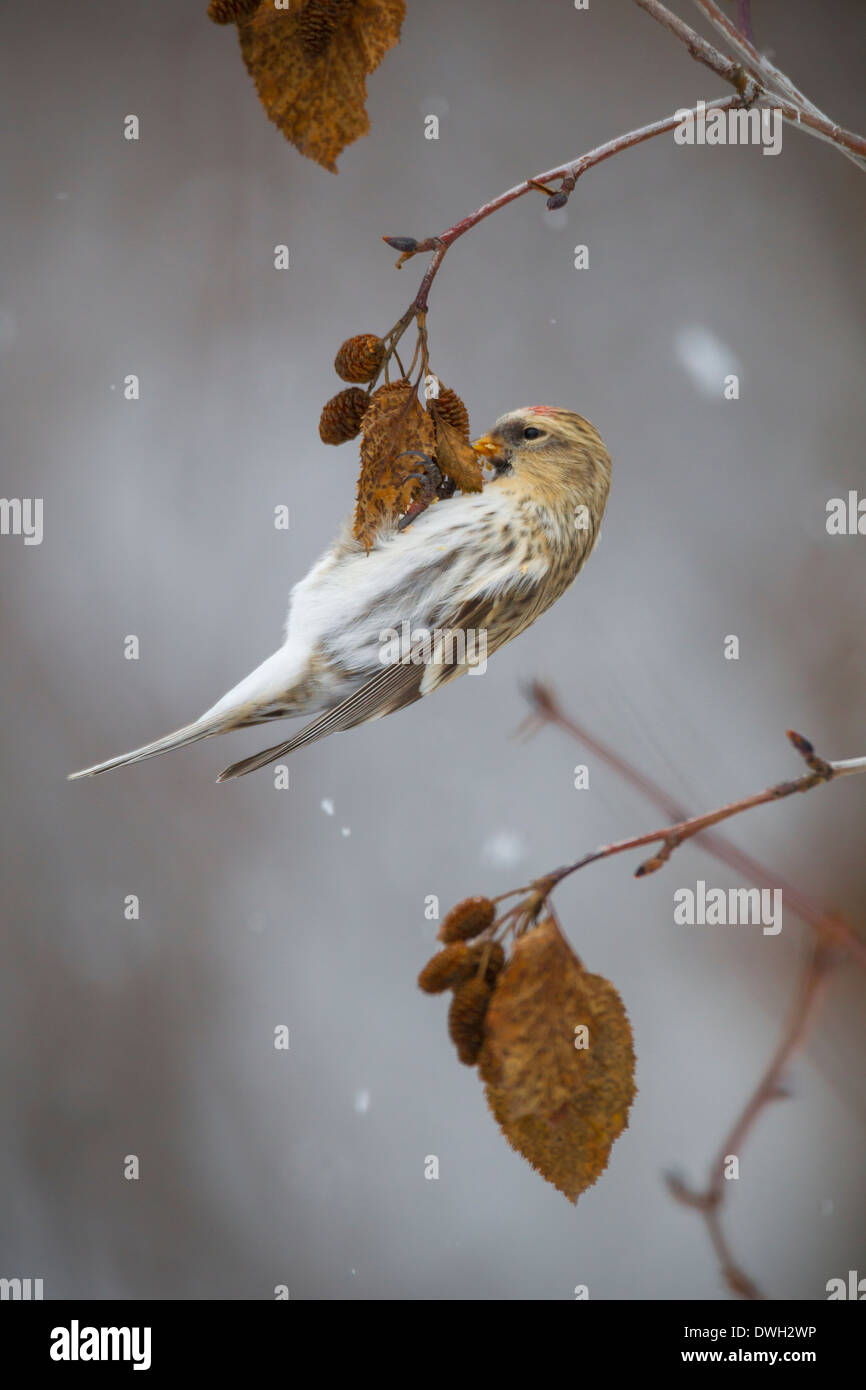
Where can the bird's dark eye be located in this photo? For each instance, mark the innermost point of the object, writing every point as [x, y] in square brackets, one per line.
[531, 433]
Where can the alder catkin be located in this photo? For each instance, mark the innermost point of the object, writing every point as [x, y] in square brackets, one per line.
[467, 919]
[466, 1019]
[342, 415]
[360, 358]
[447, 968]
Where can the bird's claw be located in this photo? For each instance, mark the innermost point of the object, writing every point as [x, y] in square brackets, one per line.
[429, 472]
[433, 485]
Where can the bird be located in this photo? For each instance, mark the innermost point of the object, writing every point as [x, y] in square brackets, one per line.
[486, 563]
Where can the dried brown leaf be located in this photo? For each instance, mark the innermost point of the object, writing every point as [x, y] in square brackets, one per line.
[559, 1105]
[315, 91]
[456, 459]
[395, 430]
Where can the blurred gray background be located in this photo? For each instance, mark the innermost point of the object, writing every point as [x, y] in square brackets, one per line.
[306, 907]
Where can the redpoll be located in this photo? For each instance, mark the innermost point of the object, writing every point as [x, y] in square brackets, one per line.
[368, 633]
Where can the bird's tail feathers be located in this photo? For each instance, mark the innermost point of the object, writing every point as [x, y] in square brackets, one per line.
[190, 733]
[256, 760]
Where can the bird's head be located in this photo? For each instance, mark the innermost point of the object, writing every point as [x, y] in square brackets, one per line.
[552, 452]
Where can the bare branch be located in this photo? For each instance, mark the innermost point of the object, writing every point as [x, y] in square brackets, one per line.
[757, 82]
[744, 18]
[710, 1201]
[828, 927]
[698, 47]
[671, 837]
[849, 765]
[830, 933]
[754, 68]
[759, 65]
[571, 171]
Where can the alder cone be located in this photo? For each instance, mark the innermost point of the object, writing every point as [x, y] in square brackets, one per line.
[393, 425]
[228, 11]
[559, 1105]
[466, 1019]
[448, 406]
[467, 919]
[310, 73]
[342, 415]
[360, 358]
[447, 968]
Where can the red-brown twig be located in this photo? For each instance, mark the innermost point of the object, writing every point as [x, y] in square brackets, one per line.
[775, 88]
[830, 933]
[755, 62]
[709, 1202]
[757, 81]
[699, 48]
[570, 171]
[744, 18]
[546, 707]
[670, 837]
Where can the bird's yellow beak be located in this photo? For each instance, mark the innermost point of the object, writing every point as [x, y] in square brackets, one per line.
[487, 447]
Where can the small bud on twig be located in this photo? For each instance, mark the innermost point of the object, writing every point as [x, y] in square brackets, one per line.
[402, 243]
[408, 246]
[807, 752]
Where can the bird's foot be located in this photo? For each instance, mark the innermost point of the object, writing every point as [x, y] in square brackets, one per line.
[433, 486]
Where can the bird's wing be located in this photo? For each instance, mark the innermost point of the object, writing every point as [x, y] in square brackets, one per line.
[392, 688]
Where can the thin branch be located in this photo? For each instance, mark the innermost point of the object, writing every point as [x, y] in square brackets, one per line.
[670, 837]
[849, 765]
[829, 933]
[795, 108]
[709, 1202]
[546, 708]
[757, 82]
[757, 63]
[700, 49]
[571, 171]
[744, 18]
